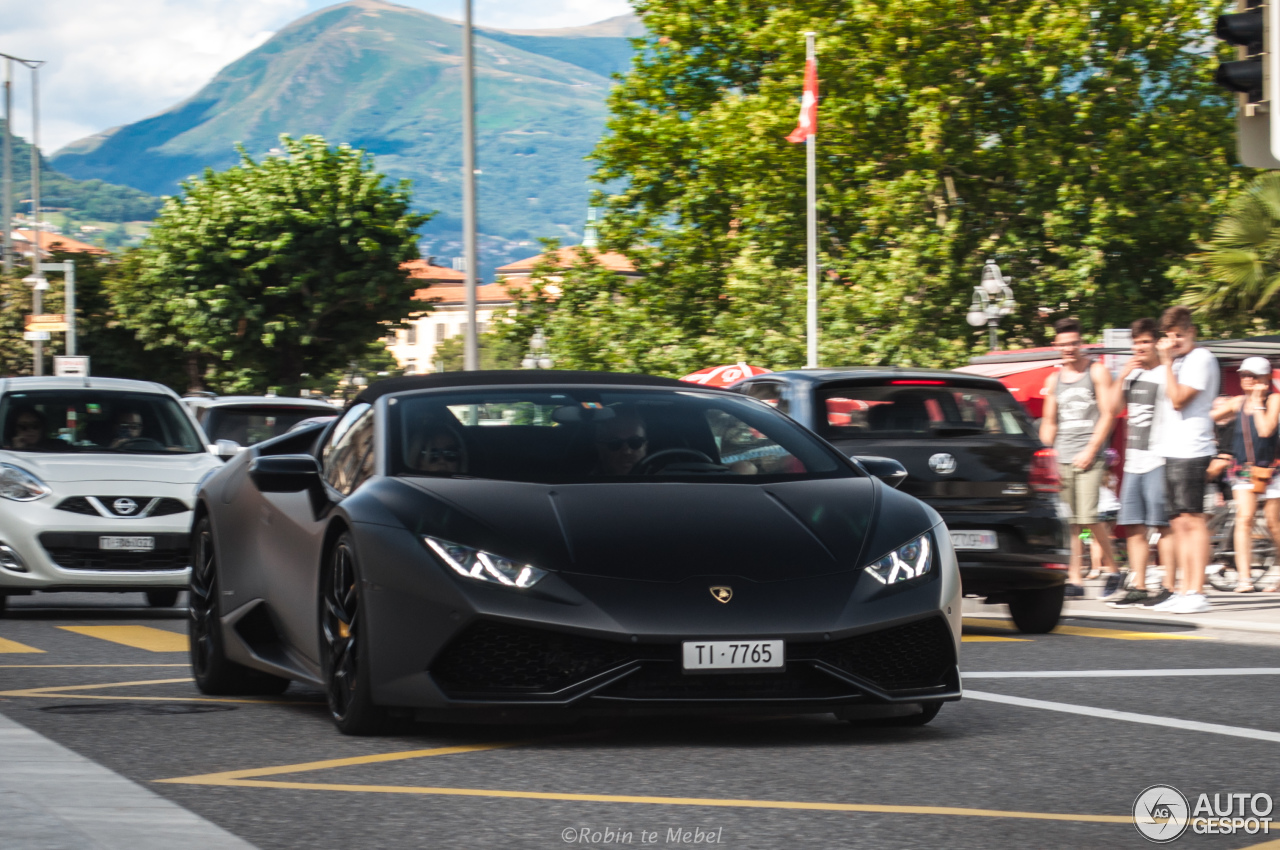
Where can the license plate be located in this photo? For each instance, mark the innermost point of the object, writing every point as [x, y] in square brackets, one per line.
[974, 540]
[734, 655]
[132, 544]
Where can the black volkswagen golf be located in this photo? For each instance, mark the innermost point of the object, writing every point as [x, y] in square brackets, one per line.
[466, 545]
[970, 451]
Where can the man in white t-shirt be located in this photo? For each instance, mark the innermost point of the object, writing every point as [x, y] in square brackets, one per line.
[1140, 392]
[1187, 444]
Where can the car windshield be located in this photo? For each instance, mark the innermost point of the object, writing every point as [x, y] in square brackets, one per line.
[249, 426]
[88, 420]
[918, 408]
[582, 434]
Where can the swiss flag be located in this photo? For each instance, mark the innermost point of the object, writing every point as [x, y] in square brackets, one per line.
[808, 124]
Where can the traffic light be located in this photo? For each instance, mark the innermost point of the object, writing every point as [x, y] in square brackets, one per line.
[1254, 29]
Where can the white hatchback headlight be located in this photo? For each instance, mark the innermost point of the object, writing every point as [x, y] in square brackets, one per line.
[18, 485]
[484, 566]
[909, 561]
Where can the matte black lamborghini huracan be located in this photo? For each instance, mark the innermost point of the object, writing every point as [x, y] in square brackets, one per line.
[495, 545]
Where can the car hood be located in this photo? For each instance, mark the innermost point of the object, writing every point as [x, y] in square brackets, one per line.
[166, 469]
[654, 531]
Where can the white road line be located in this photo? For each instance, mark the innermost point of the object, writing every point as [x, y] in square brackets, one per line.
[1108, 714]
[1120, 674]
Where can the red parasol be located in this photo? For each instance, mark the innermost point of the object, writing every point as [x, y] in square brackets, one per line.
[723, 376]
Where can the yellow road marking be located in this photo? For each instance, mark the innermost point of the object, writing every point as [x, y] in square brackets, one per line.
[227, 776]
[78, 666]
[61, 692]
[990, 639]
[1266, 845]
[659, 801]
[7, 646]
[139, 637]
[1117, 634]
[242, 779]
[1085, 631]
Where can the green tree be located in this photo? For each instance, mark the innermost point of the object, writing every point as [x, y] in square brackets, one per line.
[1239, 267]
[275, 268]
[497, 351]
[1082, 145]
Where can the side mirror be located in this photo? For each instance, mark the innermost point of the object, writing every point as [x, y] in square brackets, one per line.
[226, 449]
[285, 473]
[887, 469]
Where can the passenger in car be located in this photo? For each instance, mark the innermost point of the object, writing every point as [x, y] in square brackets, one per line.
[26, 429]
[621, 443]
[128, 427]
[442, 452]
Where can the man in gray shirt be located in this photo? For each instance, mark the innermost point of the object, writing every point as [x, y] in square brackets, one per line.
[1077, 422]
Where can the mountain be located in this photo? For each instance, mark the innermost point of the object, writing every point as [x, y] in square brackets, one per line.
[387, 78]
[84, 200]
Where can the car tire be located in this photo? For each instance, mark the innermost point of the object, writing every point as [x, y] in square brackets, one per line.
[214, 673]
[162, 598]
[344, 650]
[4, 603]
[1036, 612]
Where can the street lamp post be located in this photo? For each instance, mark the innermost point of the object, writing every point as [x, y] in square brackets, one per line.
[536, 358]
[992, 301]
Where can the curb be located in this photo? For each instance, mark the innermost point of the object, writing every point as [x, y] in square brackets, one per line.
[1193, 620]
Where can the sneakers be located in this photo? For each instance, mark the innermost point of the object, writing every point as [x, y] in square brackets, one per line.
[1114, 587]
[1192, 603]
[1074, 591]
[1161, 600]
[1131, 599]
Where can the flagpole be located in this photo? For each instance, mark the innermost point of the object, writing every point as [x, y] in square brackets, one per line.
[811, 186]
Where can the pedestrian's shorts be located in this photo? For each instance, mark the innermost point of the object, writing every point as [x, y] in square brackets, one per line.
[1240, 480]
[1142, 499]
[1184, 481]
[1079, 492]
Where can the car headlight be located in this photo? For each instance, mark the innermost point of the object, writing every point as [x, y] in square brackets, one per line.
[18, 485]
[484, 566]
[912, 560]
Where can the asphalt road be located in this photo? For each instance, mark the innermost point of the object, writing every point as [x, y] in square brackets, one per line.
[110, 681]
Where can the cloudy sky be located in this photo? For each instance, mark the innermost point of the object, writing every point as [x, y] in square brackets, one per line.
[111, 62]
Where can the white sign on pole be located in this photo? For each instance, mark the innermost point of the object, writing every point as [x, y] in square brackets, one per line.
[35, 336]
[71, 367]
[1117, 338]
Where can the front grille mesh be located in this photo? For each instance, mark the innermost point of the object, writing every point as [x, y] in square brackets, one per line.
[165, 506]
[917, 655]
[78, 505]
[492, 656]
[506, 660]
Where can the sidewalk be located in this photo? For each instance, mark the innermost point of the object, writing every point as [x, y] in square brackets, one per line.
[55, 799]
[1241, 612]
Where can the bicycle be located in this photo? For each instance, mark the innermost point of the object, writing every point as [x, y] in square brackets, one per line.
[1222, 573]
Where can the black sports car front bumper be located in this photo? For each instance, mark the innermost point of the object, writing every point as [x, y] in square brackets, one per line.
[577, 645]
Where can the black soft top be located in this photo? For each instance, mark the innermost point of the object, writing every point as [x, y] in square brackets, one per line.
[514, 377]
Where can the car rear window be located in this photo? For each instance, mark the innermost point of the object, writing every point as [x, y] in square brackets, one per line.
[918, 408]
[248, 426]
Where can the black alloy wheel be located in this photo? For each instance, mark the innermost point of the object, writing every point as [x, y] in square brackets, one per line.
[213, 671]
[342, 644]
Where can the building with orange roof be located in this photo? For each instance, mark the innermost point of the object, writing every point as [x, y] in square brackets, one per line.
[414, 346]
[24, 240]
[566, 258]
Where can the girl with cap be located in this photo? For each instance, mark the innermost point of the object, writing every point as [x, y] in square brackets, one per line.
[1254, 414]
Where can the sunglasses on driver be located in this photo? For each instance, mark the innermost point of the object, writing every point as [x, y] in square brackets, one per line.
[633, 443]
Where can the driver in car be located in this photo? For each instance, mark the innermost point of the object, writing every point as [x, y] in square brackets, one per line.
[621, 443]
[128, 427]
